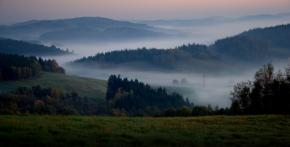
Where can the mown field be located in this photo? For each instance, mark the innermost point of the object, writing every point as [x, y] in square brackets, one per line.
[263, 130]
[83, 86]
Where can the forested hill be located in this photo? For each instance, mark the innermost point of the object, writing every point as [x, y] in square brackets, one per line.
[171, 59]
[16, 67]
[10, 46]
[254, 46]
[79, 29]
[136, 98]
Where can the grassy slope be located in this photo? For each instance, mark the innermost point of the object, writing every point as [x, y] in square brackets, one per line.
[84, 86]
[267, 130]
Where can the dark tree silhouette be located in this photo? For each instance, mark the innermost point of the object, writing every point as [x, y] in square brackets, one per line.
[37, 100]
[269, 93]
[15, 67]
[10, 46]
[137, 98]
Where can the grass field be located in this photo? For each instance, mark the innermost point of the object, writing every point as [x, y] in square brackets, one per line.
[265, 130]
[84, 86]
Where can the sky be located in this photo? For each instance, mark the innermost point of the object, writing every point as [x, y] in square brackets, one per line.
[21, 10]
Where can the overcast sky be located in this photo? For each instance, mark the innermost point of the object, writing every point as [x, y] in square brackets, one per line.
[20, 10]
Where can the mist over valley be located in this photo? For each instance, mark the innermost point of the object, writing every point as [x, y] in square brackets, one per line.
[146, 73]
[207, 82]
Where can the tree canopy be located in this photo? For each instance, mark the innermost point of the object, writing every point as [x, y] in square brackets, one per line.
[137, 98]
[10, 46]
[15, 67]
[269, 93]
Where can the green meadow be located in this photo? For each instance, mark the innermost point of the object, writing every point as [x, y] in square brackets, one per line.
[261, 130]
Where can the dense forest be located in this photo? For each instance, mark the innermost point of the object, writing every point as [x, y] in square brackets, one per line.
[38, 100]
[269, 93]
[258, 45]
[252, 47]
[10, 46]
[16, 67]
[163, 59]
[136, 98]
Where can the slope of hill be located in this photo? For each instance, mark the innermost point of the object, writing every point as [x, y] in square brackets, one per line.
[156, 59]
[82, 29]
[17, 67]
[255, 46]
[83, 86]
[259, 45]
[10, 46]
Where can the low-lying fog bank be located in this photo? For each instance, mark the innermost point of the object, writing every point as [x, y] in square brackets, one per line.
[201, 89]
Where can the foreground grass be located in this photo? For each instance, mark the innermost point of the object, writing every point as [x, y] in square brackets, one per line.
[84, 86]
[271, 130]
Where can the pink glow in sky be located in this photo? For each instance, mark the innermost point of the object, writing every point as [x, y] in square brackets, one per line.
[18, 10]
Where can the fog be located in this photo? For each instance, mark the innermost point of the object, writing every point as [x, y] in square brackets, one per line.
[201, 89]
[201, 34]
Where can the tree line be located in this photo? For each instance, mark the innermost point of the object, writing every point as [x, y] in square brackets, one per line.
[152, 55]
[136, 98]
[269, 93]
[9, 46]
[16, 67]
[52, 101]
[142, 58]
[133, 98]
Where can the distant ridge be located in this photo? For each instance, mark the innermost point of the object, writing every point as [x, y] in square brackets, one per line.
[214, 20]
[79, 29]
[251, 47]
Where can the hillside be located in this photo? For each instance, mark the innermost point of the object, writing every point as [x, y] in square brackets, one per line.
[252, 47]
[18, 67]
[78, 29]
[221, 131]
[256, 45]
[10, 46]
[157, 59]
[85, 87]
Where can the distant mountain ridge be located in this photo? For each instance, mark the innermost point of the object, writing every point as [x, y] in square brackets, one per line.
[213, 20]
[251, 47]
[82, 28]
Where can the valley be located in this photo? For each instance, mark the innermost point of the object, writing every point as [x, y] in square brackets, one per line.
[128, 73]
